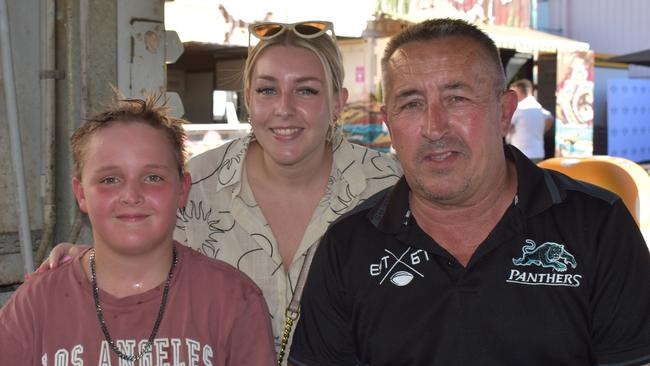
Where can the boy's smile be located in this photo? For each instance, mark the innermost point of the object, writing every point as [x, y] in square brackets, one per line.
[132, 217]
[130, 187]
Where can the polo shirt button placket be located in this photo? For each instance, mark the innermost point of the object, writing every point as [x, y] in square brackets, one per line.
[455, 270]
[451, 263]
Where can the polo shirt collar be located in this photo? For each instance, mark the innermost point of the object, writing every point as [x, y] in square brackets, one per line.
[536, 192]
[392, 214]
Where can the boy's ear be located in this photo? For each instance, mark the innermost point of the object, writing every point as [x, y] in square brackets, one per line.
[78, 190]
[186, 184]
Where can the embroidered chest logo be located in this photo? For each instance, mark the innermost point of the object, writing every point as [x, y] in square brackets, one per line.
[400, 271]
[547, 255]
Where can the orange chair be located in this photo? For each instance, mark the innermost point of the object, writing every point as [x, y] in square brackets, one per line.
[621, 176]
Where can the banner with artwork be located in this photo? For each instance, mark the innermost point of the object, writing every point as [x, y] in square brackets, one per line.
[574, 103]
[513, 13]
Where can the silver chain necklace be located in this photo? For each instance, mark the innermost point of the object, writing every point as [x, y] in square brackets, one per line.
[100, 315]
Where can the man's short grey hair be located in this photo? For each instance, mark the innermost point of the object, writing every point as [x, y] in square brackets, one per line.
[445, 28]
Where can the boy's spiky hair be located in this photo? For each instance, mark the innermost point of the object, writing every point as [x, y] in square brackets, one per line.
[152, 110]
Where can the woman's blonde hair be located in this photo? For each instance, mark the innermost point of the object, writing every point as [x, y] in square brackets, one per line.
[324, 47]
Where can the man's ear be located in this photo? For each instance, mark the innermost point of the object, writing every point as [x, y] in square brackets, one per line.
[384, 117]
[79, 194]
[508, 106]
[186, 184]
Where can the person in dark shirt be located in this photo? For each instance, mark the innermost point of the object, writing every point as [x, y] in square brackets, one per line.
[476, 256]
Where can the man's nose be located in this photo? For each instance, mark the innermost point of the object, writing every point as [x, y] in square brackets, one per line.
[436, 124]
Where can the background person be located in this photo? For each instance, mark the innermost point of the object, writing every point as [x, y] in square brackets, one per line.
[529, 122]
[136, 294]
[261, 202]
[477, 256]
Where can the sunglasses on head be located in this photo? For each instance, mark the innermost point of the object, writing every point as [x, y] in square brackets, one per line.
[308, 30]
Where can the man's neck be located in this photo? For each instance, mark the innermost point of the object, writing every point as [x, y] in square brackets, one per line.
[461, 228]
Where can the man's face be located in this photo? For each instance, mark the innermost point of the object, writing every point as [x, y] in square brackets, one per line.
[130, 187]
[447, 118]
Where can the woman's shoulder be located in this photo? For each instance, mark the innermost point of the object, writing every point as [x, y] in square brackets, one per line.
[215, 156]
[229, 157]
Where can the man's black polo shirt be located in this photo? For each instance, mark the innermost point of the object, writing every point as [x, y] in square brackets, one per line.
[563, 279]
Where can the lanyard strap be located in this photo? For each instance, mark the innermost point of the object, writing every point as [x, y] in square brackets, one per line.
[293, 310]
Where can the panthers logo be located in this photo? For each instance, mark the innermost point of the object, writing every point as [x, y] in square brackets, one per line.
[547, 255]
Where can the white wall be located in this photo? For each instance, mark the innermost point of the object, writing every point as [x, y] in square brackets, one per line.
[356, 61]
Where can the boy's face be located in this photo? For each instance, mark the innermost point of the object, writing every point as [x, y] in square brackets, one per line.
[130, 187]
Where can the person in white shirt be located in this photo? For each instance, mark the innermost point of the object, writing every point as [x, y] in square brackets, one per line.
[529, 123]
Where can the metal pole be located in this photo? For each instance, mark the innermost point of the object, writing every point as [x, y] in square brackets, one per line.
[48, 116]
[14, 137]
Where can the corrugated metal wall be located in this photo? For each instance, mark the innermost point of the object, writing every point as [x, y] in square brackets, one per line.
[25, 43]
[609, 26]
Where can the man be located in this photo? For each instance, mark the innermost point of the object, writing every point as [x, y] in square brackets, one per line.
[477, 256]
[529, 122]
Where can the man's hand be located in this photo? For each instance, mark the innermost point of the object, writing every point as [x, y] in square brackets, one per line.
[60, 254]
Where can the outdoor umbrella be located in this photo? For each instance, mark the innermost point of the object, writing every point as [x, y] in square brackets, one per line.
[637, 58]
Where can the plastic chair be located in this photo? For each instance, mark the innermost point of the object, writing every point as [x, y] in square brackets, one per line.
[621, 176]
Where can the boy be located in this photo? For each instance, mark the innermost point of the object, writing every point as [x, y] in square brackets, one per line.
[136, 295]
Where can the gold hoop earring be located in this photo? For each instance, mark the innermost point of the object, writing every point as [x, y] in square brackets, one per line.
[332, 130]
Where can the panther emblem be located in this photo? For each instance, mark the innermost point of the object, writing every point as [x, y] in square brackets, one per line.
[547, 255]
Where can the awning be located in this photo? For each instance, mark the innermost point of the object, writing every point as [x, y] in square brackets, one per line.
[530, 40]
[636, 58]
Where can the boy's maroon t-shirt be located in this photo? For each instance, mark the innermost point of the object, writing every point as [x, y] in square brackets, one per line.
[215, 315]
